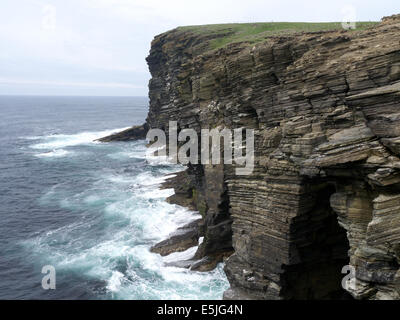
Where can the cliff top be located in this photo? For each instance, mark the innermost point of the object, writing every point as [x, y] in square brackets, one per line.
[221, 35]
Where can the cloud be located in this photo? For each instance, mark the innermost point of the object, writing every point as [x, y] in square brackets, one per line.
[173, 12]
[107, 41]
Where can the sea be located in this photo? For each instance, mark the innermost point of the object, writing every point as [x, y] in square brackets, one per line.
[89, 210]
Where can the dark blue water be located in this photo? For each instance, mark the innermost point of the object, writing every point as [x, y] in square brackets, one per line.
[91, 210]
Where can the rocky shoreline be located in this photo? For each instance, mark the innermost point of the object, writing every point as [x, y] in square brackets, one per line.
[131, 134]
[188, 236]
[325, 192]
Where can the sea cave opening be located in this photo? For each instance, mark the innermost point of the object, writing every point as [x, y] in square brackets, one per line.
[320, 249]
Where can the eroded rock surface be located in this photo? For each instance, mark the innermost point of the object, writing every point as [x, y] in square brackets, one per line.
[131, 134]
[184, 238]
[325, 191]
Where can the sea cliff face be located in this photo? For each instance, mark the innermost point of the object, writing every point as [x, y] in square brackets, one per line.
[325, 191]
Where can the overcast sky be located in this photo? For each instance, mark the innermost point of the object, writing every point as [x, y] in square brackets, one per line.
[98, 47]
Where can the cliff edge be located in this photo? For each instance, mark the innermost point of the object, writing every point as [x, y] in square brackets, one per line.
[325, 191]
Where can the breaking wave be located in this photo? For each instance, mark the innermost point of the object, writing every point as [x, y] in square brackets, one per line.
[112, 195]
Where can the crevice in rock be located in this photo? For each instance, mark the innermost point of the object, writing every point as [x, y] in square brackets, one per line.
[320, 246]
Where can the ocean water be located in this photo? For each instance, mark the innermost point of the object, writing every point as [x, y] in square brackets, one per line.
[91, 210]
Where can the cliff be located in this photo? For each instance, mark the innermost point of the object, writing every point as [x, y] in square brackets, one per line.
[325, 191]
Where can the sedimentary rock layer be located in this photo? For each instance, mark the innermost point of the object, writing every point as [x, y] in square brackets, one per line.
[325, 191]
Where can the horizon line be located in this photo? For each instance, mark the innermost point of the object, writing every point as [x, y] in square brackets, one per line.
[70, 95]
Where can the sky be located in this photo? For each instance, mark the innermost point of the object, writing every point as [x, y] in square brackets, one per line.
[98, 47]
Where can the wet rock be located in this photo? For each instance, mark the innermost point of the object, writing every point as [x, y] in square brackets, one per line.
[184, 238]
[131, 134]
[183, 184]
[323, 194]
[204, 264]
[210, 262]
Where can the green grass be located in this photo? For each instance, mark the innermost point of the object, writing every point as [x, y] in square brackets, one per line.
[256, 32]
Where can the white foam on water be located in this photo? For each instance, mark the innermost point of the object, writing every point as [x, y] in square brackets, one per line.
[30, 137]
[157, 160]
[58, 141]
[136, 216]
[181, 256]
[175, 283]
[120, 179]
[201, 240]
[133, 150]
[56, 153]
[114, 283]
[149, 180]
[155, 194]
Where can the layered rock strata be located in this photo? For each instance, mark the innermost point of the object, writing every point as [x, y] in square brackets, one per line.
[325, 191]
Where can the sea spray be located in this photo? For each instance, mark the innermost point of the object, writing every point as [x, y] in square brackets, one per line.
[123, 213]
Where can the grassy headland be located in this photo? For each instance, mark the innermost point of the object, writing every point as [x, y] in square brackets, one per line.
[256, 32]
